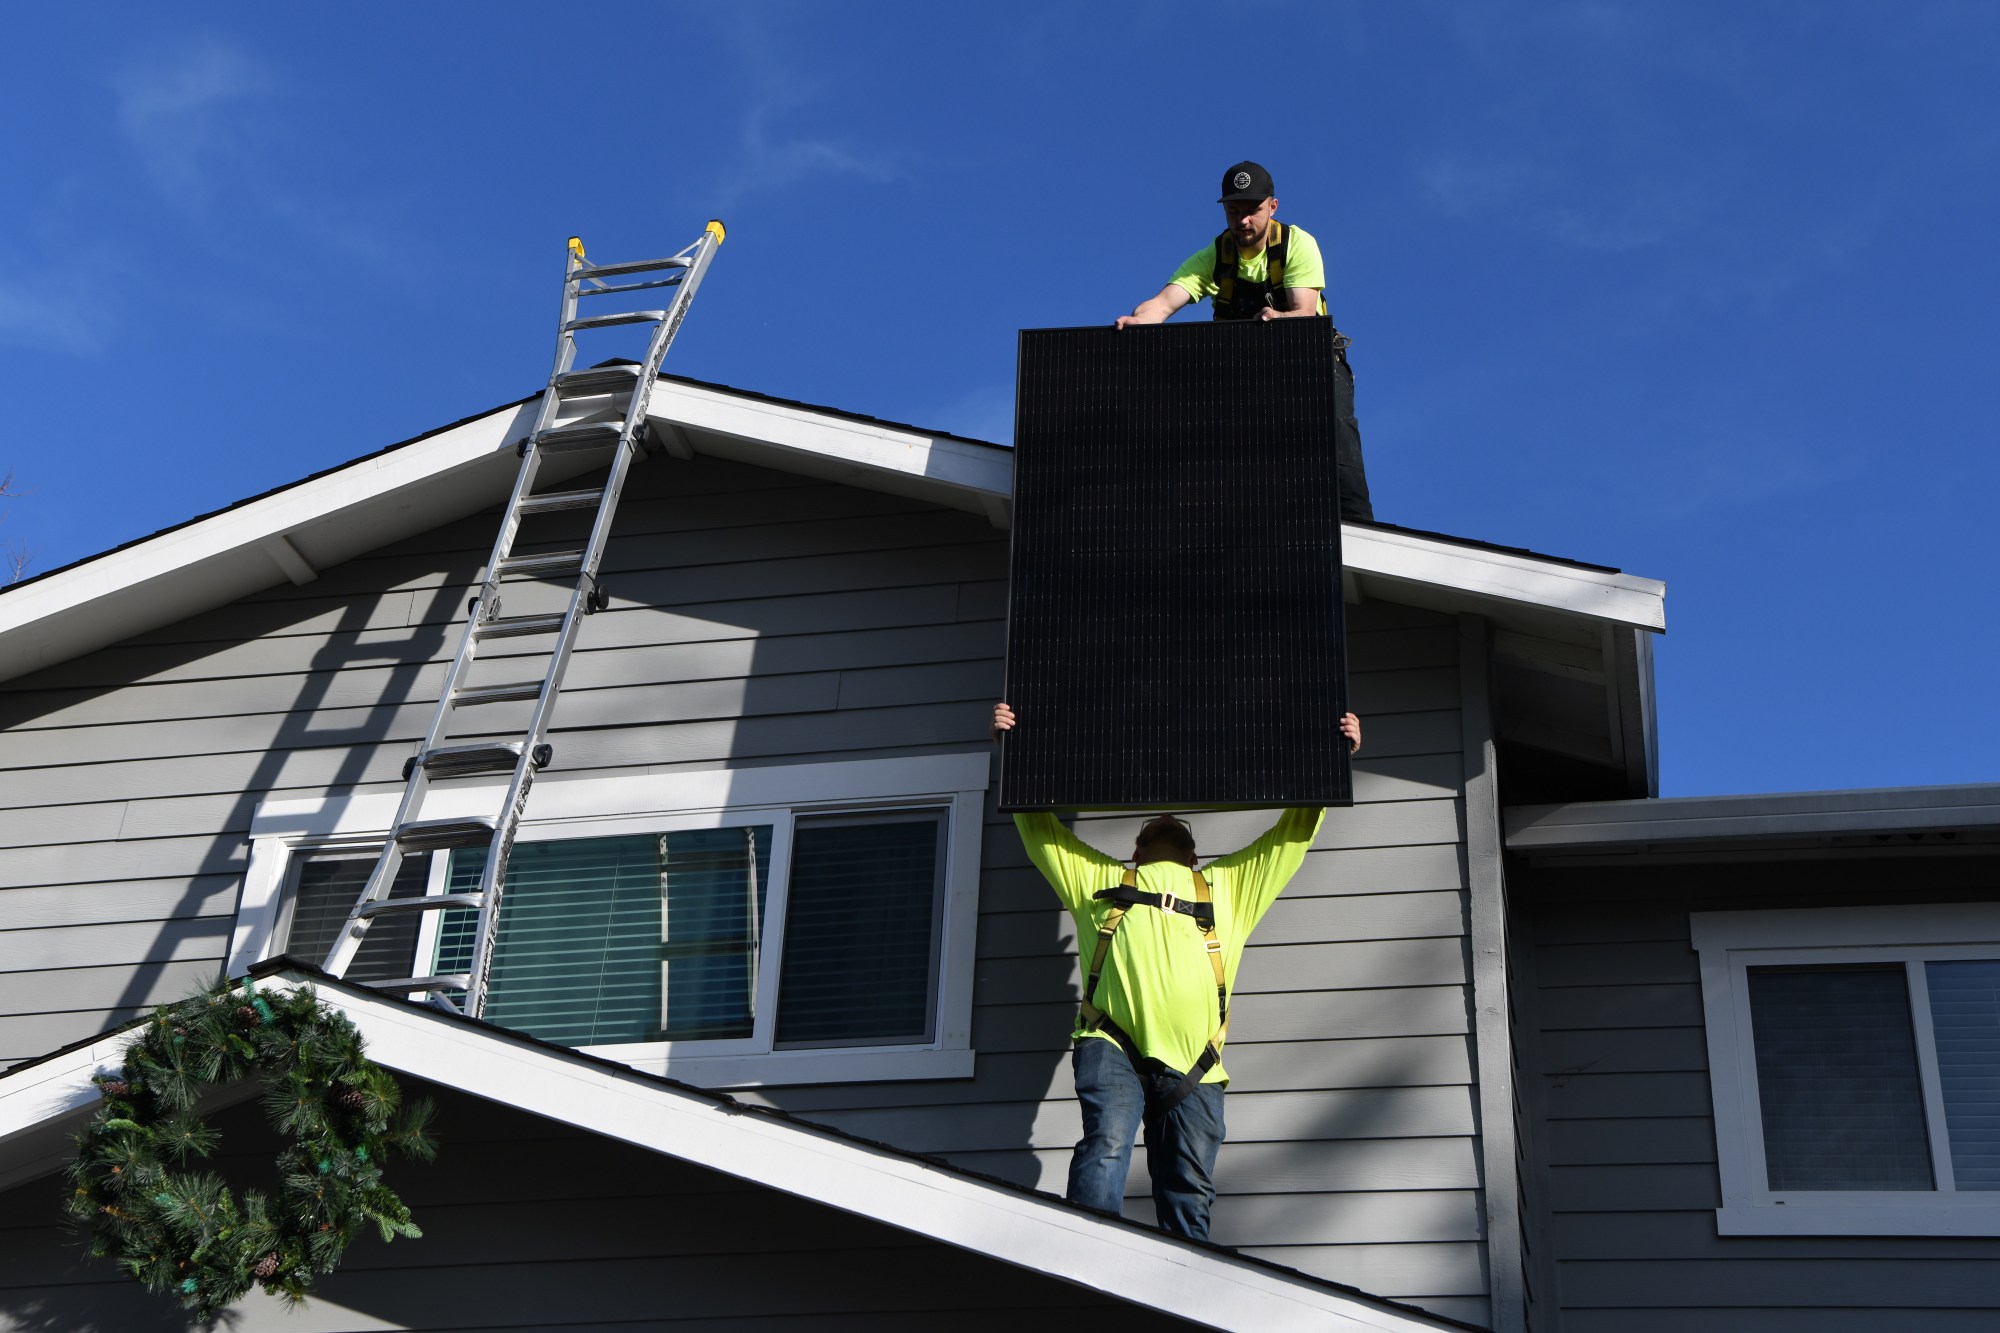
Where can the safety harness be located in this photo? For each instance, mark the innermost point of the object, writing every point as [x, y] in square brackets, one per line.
[1124, 898]
[1237, 297]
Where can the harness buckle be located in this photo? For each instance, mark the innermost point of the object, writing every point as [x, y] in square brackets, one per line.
[1212, 944]
[1168, 902]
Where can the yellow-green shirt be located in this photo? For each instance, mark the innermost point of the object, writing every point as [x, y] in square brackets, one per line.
[1157, 983]
[1303, 267]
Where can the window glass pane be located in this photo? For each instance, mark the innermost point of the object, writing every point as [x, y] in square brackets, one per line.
[327, 887]
[1837, 1076]
[861, 930]
[713, 881]
[639, 938]
[1965, 1016]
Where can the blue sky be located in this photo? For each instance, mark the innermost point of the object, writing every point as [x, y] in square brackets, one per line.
[1706, 291]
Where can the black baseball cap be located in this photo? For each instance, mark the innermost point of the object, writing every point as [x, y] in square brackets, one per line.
[1246, 182]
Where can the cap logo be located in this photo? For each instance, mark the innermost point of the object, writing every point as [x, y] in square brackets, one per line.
[1241, 180]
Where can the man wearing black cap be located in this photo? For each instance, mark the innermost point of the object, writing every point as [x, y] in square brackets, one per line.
[1159, 944]
[1261, 269]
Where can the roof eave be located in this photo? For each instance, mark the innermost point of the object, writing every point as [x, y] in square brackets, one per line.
[1131, 1264]
[293, 532]
[1499, 580]
[1588, 826]
[289, 534]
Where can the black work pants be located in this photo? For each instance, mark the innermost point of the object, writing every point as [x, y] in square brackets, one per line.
[1354, 502]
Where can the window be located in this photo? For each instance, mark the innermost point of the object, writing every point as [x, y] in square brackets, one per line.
[1854, 1058]
[734, 928]
[323, 892]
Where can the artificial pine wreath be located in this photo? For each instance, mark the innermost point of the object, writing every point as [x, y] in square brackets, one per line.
[183, 1233]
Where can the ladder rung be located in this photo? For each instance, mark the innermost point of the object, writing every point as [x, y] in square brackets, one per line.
[634, 266]
[584, 400]
[437, 835]
[496, 694]
[611, 289]
[542, 564]
[430, 902]
[456, 981]
[550, 501]
[621, 317]
[568, 439]
[461, 761]
[516, 625]
[598, 379]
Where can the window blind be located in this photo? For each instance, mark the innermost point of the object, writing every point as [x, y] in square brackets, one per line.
[1837, 1078]
[626, 939]
[861, 930]
[327, 889]
[1965, 1017]
[712, 887]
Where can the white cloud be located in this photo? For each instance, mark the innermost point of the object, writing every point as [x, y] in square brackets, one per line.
[771, 157]
[1552, 199]
[62, 319]
[183, 112]
[769, 162]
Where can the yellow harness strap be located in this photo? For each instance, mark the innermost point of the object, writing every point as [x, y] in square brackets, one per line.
[1274, 276]
[1094, 1016]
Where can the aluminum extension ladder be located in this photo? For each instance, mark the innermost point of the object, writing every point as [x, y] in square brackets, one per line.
[442, 761]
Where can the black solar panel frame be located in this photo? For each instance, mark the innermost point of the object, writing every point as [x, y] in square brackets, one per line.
[1176, 630]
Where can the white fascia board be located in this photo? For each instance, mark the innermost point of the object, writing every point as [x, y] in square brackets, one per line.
[1624, 599]
[52, 1090]
[1038, 1234]
[867, 446]
[212, 561]
[1151, 1270]
[1772, 815]
[566, 797]
[988, 471]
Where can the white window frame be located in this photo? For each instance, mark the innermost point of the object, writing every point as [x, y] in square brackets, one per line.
[1729, 944]
[565, 807]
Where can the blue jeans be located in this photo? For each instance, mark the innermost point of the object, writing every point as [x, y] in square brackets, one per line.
[1180, 1145]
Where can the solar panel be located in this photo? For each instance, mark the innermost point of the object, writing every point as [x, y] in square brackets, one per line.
[1174, 634]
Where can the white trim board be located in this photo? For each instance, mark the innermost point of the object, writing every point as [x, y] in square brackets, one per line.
[1504, 576]
[563, 797]
[1036, 1232]
[794, 438]
[291, 533]
[281, 537]
[1586, 824]
[578, 806]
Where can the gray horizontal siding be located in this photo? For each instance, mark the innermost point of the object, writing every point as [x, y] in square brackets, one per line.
[1350, 1103]
[1440, 1270]
[110, 901]
[1269, 1066]
[757, 619]
[1254, 1117]
[533, 1228]
[1625, 1122]
[1737, 1319]
[1245, 1169]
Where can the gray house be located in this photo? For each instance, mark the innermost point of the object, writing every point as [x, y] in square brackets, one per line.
[1474, 1047]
